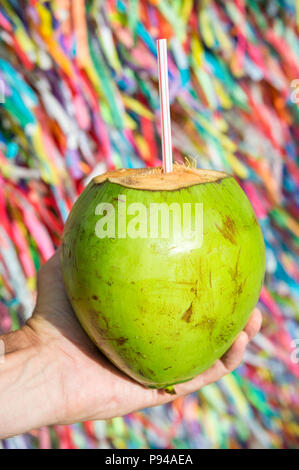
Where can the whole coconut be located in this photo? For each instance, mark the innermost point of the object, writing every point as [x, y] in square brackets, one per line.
[163, 300]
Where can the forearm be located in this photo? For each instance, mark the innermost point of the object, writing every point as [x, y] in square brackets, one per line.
[28, 385]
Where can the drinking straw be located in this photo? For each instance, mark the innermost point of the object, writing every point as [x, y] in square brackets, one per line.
[164, 105]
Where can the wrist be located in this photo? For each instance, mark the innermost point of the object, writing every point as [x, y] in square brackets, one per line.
[30, 392]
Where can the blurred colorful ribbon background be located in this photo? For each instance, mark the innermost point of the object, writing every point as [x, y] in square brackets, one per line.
[79, 94]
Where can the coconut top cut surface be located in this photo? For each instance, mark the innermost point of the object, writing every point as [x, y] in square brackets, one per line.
[154, 179]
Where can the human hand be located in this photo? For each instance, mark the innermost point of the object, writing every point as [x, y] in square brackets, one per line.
[88, 386]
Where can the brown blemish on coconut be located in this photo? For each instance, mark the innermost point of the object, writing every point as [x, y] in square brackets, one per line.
[105, 321]
[121, 340]
[235, 272]
[139, 354]
[206, 323]
[239, 288]
[141, 373]
[95, 297]
[225, 334]
[154, 179]
[95, 316]
[118, 199]
[97, 319]
[237, 264]
[228, 229]
[76, 299]
[194, 291]
[185, 283]
[188, 314]
[210, 278]
[234, 306]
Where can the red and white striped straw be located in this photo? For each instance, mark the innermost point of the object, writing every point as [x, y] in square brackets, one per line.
[164, 105]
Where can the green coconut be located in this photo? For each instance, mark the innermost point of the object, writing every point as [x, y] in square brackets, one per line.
[163, 307]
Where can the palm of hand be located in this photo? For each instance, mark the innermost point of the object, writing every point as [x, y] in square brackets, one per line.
[90, 387]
